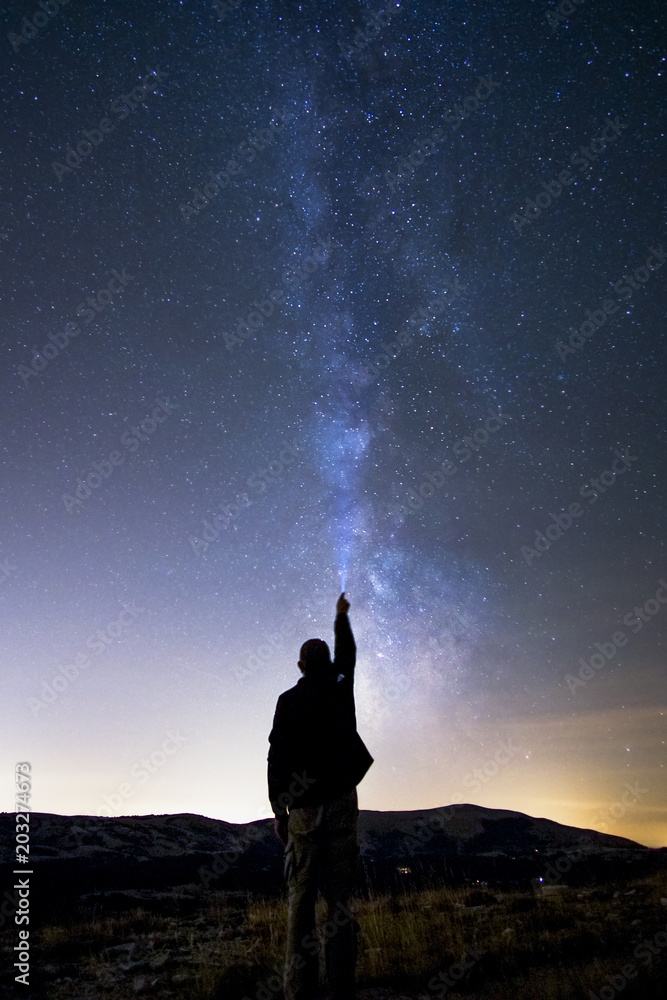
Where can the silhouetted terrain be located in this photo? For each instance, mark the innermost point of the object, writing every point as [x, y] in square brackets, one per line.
[185, 906]
[78, 855]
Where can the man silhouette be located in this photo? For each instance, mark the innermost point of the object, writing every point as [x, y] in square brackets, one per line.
[315, 762]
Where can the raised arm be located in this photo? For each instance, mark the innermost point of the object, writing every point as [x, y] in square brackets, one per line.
[345, 650]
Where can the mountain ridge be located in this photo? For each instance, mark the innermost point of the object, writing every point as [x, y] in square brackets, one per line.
[397, 848]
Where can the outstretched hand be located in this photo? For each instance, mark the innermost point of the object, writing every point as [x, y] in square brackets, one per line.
[343, 605]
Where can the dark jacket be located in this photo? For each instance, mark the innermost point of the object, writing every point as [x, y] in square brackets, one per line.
[316, 753]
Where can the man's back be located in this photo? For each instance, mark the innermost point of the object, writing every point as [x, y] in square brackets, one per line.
[315, 762]
[315, 730]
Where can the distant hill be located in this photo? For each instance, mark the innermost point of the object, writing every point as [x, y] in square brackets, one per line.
[183, 855]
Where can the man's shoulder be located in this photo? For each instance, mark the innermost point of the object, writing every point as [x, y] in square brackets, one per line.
[306, 690]
[290, 694]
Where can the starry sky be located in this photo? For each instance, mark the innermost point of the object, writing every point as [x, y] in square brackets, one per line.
[299, 298]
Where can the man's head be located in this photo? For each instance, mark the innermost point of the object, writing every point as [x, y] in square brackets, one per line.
[314, 658]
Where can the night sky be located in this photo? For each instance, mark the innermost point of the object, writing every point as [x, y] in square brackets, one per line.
[213, 218]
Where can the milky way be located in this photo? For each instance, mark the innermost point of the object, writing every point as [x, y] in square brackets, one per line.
[297, 301]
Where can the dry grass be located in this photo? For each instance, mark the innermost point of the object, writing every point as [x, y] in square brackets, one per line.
[555, 947]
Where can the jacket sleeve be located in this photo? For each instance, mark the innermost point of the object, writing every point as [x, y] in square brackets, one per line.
[345, 649]
[279, 758]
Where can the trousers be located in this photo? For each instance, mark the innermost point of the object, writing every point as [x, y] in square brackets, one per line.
[321, 853]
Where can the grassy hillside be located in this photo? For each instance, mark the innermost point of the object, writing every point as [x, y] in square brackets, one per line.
[556, 944]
